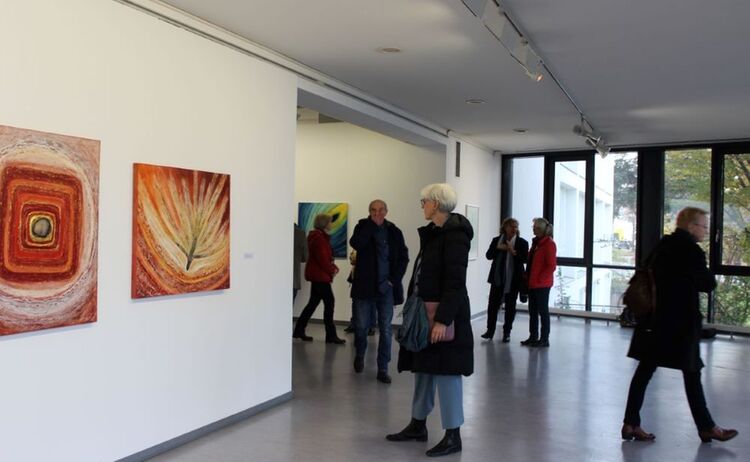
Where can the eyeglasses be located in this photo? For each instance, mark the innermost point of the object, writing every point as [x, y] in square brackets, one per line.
[423, 201]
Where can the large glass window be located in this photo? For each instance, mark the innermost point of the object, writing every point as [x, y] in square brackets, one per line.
[687, 182]
[607, 287]
[732, 301]
[570, 207]
[735, 235]
[615, 199]
[527, 197]
[569, 289]
[601, 232]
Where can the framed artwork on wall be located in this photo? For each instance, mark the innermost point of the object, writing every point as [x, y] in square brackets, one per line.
[180, 231]
[49, 190]
[339, 212]
[472, 214]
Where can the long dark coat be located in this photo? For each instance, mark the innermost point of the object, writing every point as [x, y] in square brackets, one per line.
[365, 280]
[671, 337]
[498, 258]
[444, 255]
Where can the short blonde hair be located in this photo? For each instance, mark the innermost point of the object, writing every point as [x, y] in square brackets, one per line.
[539, 221]
[510, 221]
[443, 194]
[322, 220]
[689, 215]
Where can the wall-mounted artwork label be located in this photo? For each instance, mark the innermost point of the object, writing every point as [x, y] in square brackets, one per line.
[339, 211]
[472, 214]
[49, 204]
[180, 231]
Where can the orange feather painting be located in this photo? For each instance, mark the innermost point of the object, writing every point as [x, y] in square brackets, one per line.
[49, 204]
[180, 231]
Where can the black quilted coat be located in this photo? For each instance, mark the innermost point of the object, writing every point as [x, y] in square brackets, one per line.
[444, 254]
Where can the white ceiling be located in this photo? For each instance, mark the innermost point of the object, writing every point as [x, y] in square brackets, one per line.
[642, 71]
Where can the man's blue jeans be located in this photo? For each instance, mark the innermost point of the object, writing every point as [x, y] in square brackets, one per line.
[383, 306]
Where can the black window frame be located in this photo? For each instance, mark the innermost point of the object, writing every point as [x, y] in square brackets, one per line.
[650, 204]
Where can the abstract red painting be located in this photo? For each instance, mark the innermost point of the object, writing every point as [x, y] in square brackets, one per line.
[180, 231]
[49, 191]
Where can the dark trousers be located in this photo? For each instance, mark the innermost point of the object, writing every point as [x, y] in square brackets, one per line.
[693, 389]
[493, 306]
[318, 291]
[539, 309]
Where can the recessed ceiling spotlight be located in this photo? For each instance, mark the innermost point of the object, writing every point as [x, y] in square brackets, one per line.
[475, 101]
[388, 50]
[520, 130]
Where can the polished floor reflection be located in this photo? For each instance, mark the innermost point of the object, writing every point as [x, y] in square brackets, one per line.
[563, 404]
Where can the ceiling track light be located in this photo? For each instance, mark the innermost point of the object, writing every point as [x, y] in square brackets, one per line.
[529, 60]
[496, 20]
[499, 22]
[591, 138]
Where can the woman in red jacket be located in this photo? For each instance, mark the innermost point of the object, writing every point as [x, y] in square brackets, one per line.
[540, 272]
[320, 271]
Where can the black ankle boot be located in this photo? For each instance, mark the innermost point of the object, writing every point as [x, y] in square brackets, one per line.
[416, 430]
[450, 443]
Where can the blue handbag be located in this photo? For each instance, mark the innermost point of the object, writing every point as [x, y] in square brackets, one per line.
[413, 334]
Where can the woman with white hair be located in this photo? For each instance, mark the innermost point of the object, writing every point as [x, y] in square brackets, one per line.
[540, 274]
[439, 278]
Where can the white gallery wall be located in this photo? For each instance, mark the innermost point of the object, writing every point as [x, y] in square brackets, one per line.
[477, 185]
[341, 162]
[150, 370]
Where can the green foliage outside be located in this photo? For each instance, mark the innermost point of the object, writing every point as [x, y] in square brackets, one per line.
[687, 182]
[626, 184]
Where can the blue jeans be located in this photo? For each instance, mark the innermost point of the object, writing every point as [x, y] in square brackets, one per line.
[450, 392]
[353, 320]
[365, 307]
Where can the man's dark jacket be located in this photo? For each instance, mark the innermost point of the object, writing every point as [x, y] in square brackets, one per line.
[671, 337]
[365, 281]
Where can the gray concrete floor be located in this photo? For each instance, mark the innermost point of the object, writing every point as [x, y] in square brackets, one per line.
[564, 403]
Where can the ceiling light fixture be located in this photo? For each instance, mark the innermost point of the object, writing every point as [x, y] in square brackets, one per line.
[529, 60]
[475, 101]
[593, 139]
[388, 50]
[496, 20]
[501, 25]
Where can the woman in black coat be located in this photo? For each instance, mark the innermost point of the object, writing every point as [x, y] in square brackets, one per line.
[508, 253]
[440, 276]
[670, 338]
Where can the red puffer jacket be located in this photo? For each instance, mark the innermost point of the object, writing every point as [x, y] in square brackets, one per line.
[320, 267]
[542, 263]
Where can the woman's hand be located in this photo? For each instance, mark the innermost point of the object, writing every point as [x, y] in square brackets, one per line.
[438, 332]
